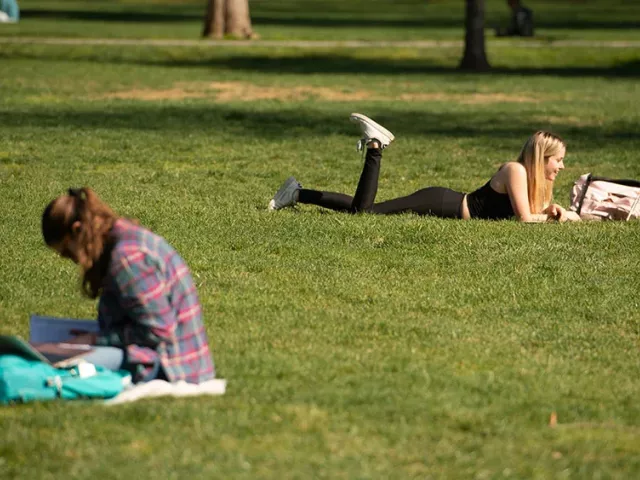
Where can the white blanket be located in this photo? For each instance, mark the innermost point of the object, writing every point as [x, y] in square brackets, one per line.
[161, 388]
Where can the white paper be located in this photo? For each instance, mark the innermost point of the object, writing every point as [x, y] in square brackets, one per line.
[161, 388]
[56, 330]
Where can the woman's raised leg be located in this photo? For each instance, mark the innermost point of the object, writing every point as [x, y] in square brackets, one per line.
[374, 138]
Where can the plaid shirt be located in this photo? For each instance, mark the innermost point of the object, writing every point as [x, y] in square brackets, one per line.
[149, 306]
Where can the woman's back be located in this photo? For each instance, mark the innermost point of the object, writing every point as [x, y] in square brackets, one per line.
[149, 285]
[486, 203]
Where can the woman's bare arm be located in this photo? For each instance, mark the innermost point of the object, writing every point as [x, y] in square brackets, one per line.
[514, 177]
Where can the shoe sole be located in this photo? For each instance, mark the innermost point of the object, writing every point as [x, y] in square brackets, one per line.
[355, 117]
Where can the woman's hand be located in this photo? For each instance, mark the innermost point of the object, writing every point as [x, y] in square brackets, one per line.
[556, 212]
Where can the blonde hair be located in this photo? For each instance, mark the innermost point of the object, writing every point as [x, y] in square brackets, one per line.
[534, 155]
[93, 238]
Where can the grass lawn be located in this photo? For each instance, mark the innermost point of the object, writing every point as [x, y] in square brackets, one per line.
[354, 346]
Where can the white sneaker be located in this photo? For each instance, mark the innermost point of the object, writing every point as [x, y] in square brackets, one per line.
[371, 131]
[286, 196]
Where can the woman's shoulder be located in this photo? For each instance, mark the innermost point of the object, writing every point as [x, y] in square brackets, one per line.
[510, 171]
[512, 167]
[134, 242]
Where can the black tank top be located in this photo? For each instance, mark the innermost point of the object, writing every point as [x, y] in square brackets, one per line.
[486, 203]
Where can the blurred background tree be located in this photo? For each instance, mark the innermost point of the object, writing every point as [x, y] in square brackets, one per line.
[228, 18]
[475, 56]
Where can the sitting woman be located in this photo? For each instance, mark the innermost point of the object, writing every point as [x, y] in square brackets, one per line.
[149, 315]
[520, 189]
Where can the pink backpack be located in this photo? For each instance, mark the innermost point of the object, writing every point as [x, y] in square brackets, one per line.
[599, 198]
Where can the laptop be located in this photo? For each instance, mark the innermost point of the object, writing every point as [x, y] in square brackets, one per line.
[56, 354]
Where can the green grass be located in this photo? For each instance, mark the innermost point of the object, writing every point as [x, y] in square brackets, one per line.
[354, 346]
[323, 19]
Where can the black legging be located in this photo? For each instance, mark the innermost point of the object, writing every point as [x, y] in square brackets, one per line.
[436, 201]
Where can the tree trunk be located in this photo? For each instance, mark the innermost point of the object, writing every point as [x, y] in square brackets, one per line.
[227, 17]
[475, 57]
[218, 18]
[238, 19]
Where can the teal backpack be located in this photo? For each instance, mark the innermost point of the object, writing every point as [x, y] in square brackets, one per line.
[25, 380]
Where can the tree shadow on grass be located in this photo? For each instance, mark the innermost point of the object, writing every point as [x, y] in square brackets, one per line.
[165, 16]
[273, 122]
[285, 19]
[317, 63]
[341, 64]
[342, 20]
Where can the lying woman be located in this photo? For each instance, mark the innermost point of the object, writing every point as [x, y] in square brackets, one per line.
[520, 189]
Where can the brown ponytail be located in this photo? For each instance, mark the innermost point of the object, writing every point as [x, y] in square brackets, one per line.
[93, 238]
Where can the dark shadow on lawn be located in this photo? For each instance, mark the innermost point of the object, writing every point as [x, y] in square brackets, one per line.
[311, 64]
[165, 16]
[289, 19]
[286, 19]
[423, 19]
[277, 122]
[440, 22]
[326, 63]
